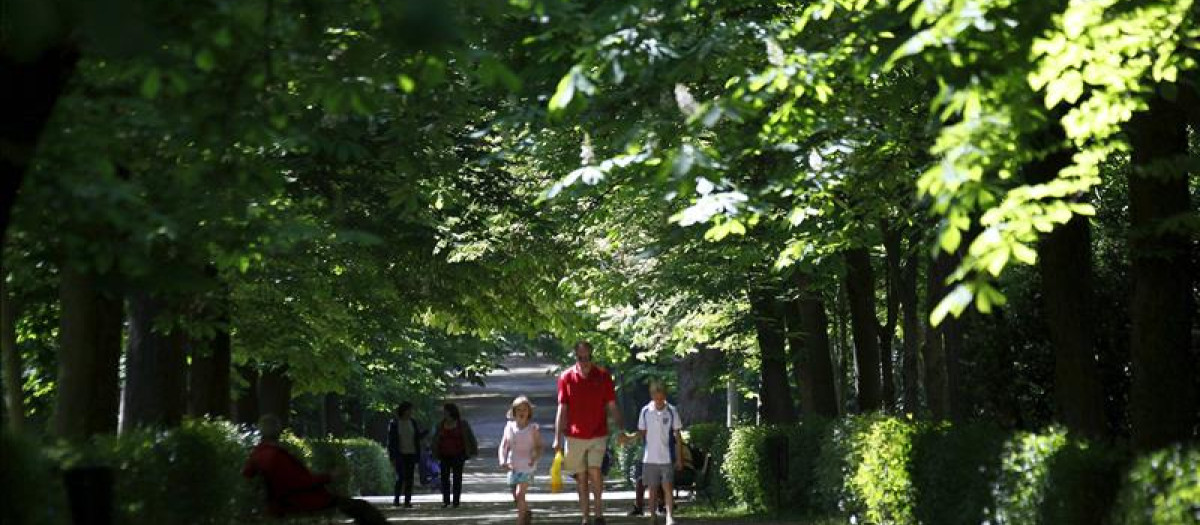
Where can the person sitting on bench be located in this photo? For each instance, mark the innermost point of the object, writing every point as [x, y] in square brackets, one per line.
[291, 487]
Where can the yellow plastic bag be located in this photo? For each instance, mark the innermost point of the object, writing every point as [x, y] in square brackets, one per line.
[556, 472]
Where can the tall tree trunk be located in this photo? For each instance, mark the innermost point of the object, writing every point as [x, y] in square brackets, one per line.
[89, 356]
[331, 412]
[953, 336]
[209, 375]
[1163, 395]
[776, 395]
[245, 406]
[808, 336]
[937, 391]
[155, 368]
[31, 89]
[275, 393]
[911, 324]
[1065, 262]
[860, 289]
[697, 374]
[14, 397]
[887, 331]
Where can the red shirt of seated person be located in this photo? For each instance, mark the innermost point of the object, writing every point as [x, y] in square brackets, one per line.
[291, 487]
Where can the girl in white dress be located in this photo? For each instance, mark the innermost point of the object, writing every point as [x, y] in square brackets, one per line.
[519, 451]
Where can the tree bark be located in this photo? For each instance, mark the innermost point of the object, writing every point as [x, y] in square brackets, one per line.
[808, 337]
[911, 324]
[88, 397]
[155, 368]
[245, 406]
[1163, 395]
[14, 397]
[331, 411]
[776, 395]
[860, 288]
[275, 393]
[31, 89]
[887, 331]
[1065, 263]
[937, 390]
[696, 374]
[209, 386]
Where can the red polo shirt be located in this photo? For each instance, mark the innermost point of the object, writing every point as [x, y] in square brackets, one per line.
[586, 398]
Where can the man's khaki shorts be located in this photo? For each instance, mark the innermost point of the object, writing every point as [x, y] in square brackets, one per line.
[583, 454]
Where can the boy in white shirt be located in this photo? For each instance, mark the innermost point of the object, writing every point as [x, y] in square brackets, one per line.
[659, 425]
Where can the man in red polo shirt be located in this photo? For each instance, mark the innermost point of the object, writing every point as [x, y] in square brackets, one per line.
[586, 398]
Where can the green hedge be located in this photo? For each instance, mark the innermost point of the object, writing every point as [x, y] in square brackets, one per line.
[713, 439]
[31, 491]
[363, 462]
[878, 469]
[770, 480]
[954, 470]
[1161, 487]
[191, 474]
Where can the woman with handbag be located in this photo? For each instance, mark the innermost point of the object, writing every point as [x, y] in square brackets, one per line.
[453, 444]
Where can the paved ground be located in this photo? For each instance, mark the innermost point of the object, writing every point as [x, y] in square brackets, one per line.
[485, 498]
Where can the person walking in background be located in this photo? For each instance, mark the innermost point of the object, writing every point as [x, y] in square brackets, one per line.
[453, 443]
[586, 395]
[659, 427]
[403, 444]
[519, 451]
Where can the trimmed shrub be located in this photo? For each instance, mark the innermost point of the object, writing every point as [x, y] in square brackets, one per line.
[1161, 487]
[882, 481]
[360, 465]
[713, 438]
[953, 471]
[766, 479]
[1083, 482]
[1024, 476]
[190, 474]
[31, 491]
[838, 459]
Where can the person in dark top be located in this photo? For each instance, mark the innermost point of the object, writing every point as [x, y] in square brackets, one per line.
[291, 487]
[453, 443]
[403, 447]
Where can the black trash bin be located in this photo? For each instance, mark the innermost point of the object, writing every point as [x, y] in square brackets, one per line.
[90, 495]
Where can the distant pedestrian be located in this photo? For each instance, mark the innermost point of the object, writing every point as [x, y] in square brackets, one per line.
[453, 443]
[403, 445]
[519, 451]
[586, 395]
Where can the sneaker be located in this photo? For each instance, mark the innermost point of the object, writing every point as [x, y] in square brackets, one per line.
[670, 520]
[635, 511]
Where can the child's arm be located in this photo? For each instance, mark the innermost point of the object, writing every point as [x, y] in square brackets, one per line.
[502, 450]
[537, 446]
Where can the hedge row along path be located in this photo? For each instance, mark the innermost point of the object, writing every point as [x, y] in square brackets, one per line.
[485, 498]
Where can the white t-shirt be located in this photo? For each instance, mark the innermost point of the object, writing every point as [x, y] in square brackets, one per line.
[659, 425]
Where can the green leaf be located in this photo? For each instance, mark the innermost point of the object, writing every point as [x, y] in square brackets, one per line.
[406, 83]
[564, 92]
[206, 60]
[152, 84]
[950, 239]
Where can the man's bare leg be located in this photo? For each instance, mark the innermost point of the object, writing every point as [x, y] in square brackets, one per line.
[581, 487]
[597, 482]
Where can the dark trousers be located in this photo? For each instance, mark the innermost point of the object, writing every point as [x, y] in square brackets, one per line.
[405, 465]
[455, 466]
